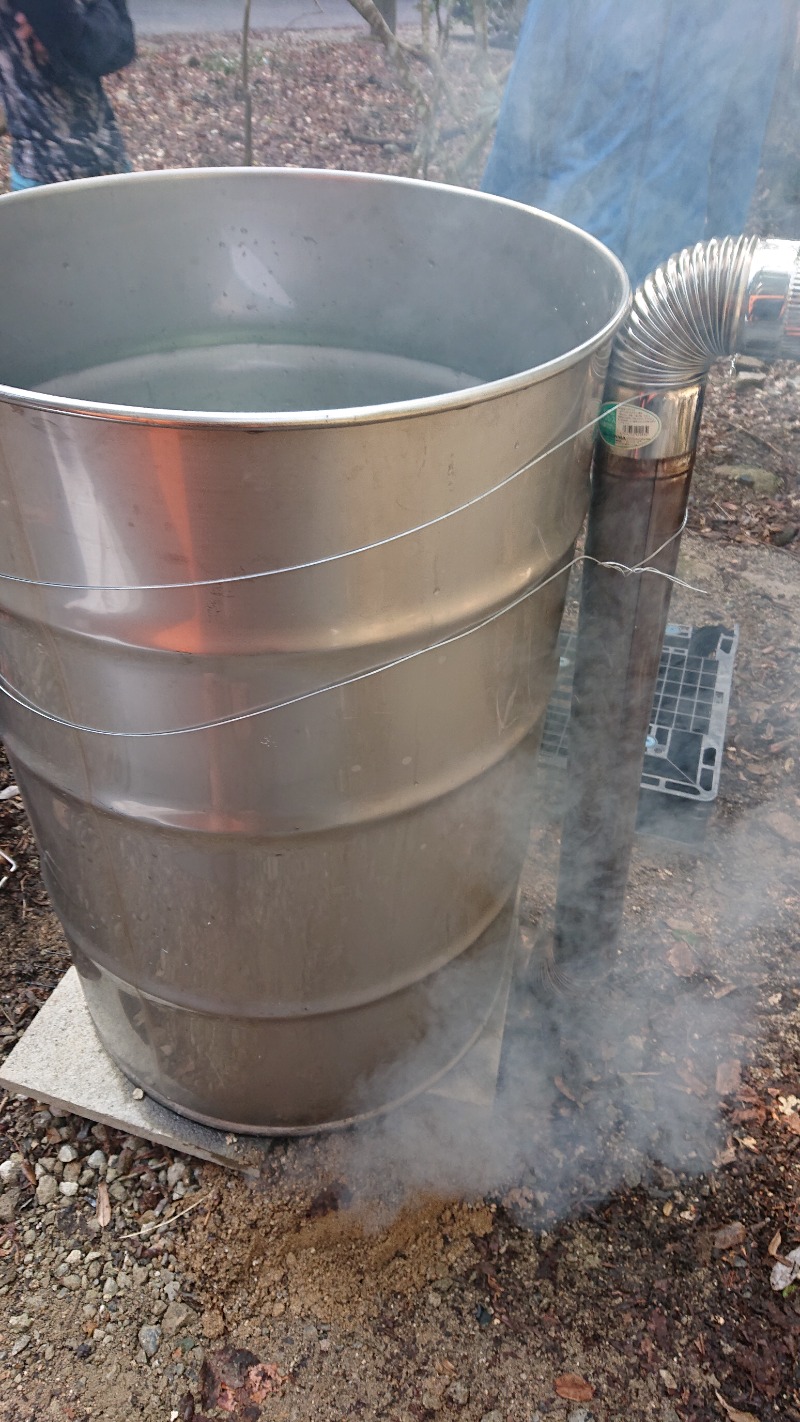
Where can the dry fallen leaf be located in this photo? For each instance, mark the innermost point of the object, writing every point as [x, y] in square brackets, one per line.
[733, 1412]
[262, 1380]
[726, 1156]
[784, 825]
[774, 1246]
[103, 1205]
[723, 990]
[785, 1272]
[691, 1080]
[682, 960]
[29, 1172]
[574, 1388]
[233, 1377]
[729, 1076]
[561, 1086]
[730, 1236]
[749, 1113]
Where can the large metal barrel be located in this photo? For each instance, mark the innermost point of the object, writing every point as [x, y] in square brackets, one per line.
[290, 466]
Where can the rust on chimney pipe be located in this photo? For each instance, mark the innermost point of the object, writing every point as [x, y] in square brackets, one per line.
[716, 299]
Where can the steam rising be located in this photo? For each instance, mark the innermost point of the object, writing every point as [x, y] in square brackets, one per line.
[604, 1085]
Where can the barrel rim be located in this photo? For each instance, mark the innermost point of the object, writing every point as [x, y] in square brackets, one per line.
[316, 419]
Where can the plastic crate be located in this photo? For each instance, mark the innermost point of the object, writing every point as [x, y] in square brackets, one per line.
[683, 754]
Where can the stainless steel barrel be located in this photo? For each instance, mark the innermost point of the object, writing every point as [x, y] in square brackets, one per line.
[290, 466]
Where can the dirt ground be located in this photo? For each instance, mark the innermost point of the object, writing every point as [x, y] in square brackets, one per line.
[608, 1246]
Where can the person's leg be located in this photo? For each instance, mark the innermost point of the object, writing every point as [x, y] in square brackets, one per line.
[18, 184]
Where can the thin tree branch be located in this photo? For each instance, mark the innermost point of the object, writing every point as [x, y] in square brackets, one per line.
[248, 98]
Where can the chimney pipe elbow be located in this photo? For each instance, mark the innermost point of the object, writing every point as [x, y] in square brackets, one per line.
[709, 301]
[769, 325]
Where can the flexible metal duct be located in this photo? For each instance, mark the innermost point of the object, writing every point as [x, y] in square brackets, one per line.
[715, 299]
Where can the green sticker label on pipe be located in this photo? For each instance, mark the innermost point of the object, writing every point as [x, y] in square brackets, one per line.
[628, 426]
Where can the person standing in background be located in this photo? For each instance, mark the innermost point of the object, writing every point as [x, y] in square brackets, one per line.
[53, 55]
[642, 123]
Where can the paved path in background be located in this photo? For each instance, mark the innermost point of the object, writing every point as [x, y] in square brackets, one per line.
[164, 17]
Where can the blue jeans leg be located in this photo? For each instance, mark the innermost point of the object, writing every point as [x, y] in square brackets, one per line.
[19, 184]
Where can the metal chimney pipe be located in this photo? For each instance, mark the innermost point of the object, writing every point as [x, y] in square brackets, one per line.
[716, 299]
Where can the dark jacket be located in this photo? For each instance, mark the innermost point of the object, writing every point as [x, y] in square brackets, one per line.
[61, 123]
[91, 40]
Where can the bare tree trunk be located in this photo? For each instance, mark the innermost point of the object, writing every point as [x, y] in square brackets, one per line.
[388, 9]
[480, 21]
[431, 99]
[395, 49]
[429, 129]
[248, 98]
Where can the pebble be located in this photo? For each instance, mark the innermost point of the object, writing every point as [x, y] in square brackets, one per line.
[175, 1173]
[457, 1393]
[72, 1282]
[431, 1399]
[21, 1344]
[69, 1188]
[750, 379]
[47, 1190]
[176, 1317]
[8, 1205]
[67, 1153]
[753, 475]
[580, 1414]
[110, 1288]
[95, 1161]
[149, 1339]
[9, 1170]
[495, 1416]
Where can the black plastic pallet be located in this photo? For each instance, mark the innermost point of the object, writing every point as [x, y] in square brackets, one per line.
[683, 754]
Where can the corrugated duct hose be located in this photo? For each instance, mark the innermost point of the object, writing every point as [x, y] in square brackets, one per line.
[716, 299]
